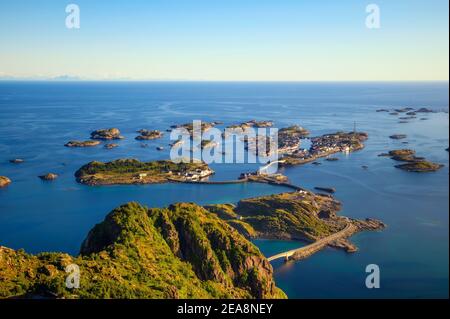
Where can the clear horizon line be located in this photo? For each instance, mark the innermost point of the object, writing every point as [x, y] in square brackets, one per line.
[206, 80]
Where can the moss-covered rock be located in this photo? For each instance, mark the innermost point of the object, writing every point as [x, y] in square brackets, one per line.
[289, 215]
[224, 211]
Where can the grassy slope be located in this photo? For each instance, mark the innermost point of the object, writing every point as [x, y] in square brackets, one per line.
[132, 254]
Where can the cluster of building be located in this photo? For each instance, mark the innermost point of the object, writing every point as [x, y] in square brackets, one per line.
[189, 175]
[261, 176]
[288, 144]
[195, 175]
[328, 144]
[339, 142]
[260, 145]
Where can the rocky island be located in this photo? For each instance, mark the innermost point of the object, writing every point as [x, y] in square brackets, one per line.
[407, 110]
[182, 251]
[293, 131]
[4, 181]
[189, 127]
[413, 162]
[148, 135]
[82, 143]
[325, 145]
[205, 144]
[300, 215]
[289, 139]
[106, 134]
[48, 177]
[255, 123]
[330, 190]
[420, 166]
[132, 171]
[242, 127]
[424, 110]
[397, 136]
[110, 146]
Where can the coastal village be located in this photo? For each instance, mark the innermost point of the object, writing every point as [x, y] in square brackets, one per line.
[289, 139]
[287, 145]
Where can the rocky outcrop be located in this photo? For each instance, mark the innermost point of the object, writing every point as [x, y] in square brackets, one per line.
[300, 215]
[189, 127]
[48, 177]
[178, 252]
[403, 110]
[403, 155]
[420, 166]
[330, 190]
[82, 143]
[4, 181]
[106, 134]
[216, 251]
[110, 146]
[294, 131]
[244, 126]
[424, 110]
[368, 224]
[206, 144]
[397, 136]
[149, 135]
[413, 162]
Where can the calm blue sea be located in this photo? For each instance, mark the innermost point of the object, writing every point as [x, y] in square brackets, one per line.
[38, 118]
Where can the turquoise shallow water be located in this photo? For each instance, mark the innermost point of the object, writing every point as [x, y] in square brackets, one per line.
[38, 118]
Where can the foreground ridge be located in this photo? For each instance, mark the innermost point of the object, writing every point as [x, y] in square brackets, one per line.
[181, 251]
[184, 250]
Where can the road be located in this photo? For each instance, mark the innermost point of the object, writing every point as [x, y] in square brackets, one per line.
[308, 250]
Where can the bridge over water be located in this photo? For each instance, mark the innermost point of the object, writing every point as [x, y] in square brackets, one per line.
[308, 250]
[264, 168]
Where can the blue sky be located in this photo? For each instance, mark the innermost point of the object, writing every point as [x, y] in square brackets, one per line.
[282, 40]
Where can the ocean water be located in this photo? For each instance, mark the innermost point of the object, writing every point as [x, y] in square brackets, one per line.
[38, 118]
